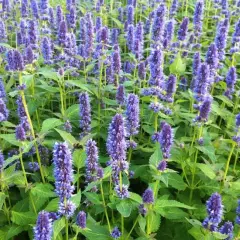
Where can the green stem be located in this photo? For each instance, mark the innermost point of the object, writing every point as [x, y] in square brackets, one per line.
[235, 161]
[227, 165]
[129, 234]
[148, 220]
[31, 127]
[23, 168]
[66, 228]
[105, 208]
[194, 168]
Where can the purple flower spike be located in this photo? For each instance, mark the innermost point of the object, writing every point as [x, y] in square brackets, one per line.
[132, 113]
[202, 82]
[170, 88]
[34, 7]
[168, 34]
[116, 233]
[198, 18]
[63, 172]
[221, 38]
[166, 140]
[20, 133]
[205, 109]
[182, 32]
[130, 14]
[116, 142]
[29, 55]
[156, 71]
[116, 61]
[227, 229]
[120, 95]
[231, 80]
[130, 36]
[238, 213]
[215, 211]
[66, 209]
[122, 191]
[43, 228]
[174, 8]
[46, 50]
[158, 23]
[162, 166]
[141, 70]
[147, 196]
[91, 161]
[85, 114]
[1, 161]
[4, 113]
[62, 33]
[238, 120]
[212, 58]
[81, 219]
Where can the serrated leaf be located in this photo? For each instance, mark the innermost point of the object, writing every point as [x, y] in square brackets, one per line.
[66, 136]
[43, 190]
[93, 197]
[207, 170]
[58, 225]
[219, 235]
[49, 124]
[79, 83]
[11, 138]
[169, 204]
[135, 197]
[197, 233]
[176, 181]
[47, 73]
[23, 218]
[79, 158]
[209, 151]
[124, 208]
[76, 198]
[96, 232]
[13, 231]
[156, 157]
[178, 66]
[52, 205]
[154, 221]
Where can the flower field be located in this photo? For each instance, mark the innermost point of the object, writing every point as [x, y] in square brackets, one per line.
[119, 119]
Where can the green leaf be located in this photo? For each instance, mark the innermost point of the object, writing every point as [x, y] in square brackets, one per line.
[49, 124]
[156, 157]
[178, 66]
[207, 170]
[124, 208]
[197, 233]
[66, 136]
[172, 213]
[47, 73]
[79, 83]
[13, 231]
[96, 232]
[52, 205]
[154, 221]
[11, 139]
[93, 197]
[76, 198]
[58, 225]
[142, 222]
[176, 181]
[219, 235]
[23, 218]
[169, 204]
[135, 197]
[79, 157]
[43, 190]
[209, 151]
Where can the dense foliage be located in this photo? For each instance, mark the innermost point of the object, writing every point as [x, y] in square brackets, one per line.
[119, 119]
